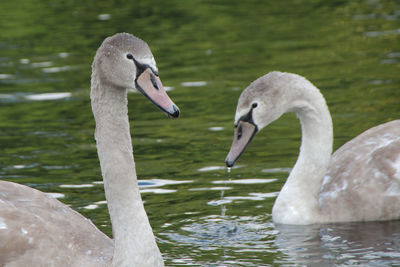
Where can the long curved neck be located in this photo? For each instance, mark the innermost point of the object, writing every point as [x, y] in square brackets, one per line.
[297, 202]
[134, 242]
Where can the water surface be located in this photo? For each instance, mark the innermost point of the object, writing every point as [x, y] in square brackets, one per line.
[207, 53]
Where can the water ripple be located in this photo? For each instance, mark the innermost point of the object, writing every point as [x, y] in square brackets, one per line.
[22, 97]
[245, 181]
[382, 33]
[48, 96]
[217, 168]
[194, 84]
[160, 182]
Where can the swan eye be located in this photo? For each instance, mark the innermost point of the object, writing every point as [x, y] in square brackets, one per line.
[239, 134]
[129, 56]
[254, 105]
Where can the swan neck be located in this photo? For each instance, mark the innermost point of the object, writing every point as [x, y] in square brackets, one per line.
[134, 242]
[297, 202]
[316, 138]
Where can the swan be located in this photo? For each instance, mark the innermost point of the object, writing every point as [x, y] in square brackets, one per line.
[359, 182]
[38, 230]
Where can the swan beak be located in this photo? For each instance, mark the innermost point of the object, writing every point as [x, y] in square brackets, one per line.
[149, 84]
[244, 133]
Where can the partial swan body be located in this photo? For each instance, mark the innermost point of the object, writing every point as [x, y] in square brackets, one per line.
[359, 182]
[38, 230]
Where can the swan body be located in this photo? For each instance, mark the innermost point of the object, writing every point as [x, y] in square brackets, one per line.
[38, 230]
[359, 182]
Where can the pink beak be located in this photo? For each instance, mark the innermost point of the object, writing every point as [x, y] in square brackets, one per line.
[244, 132]
[151, 87]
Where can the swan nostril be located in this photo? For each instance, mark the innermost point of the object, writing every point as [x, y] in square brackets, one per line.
[153, 81]
[239, 133]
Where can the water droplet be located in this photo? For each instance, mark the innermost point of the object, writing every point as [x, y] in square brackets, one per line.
[228, 169]
[223, 210]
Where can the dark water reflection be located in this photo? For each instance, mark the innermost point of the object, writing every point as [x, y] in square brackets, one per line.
[207, 52]
[370, 243]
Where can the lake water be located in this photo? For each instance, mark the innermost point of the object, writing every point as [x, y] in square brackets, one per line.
[207, 53]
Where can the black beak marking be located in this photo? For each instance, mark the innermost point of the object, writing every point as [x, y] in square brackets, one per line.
[140, 68]
[248, 117]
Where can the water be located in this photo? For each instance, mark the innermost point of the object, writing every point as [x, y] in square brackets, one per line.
[207, 53]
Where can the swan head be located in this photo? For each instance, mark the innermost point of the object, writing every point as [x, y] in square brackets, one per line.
[125, 61]
[261, 103]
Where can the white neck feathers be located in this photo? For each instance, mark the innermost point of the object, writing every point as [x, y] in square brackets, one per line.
[134, 242]
[305, 180]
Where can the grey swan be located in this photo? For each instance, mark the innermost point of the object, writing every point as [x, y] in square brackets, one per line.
[38, 230]
[359, 182]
